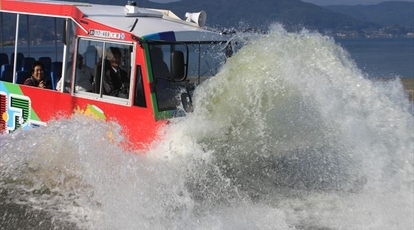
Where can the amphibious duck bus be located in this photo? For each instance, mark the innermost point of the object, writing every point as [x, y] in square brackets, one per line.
[162, 56]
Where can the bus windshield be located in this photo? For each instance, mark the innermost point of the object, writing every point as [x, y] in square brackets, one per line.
[201, 61]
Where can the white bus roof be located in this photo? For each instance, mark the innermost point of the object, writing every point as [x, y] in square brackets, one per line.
[145, 23]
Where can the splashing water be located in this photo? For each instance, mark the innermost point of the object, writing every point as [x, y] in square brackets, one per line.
[289, 135]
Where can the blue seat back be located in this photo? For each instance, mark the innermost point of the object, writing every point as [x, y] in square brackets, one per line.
[22, 75]
[47, 63]
[19, 61]
[4, 59]
[6, 73]
[56, 73]
[27, 63]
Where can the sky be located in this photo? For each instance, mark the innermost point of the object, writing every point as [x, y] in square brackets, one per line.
[324, 2]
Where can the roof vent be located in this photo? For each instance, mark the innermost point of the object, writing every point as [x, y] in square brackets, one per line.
[131, 8]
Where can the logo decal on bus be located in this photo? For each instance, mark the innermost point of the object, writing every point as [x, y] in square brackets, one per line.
[15, 111]
[91, 111]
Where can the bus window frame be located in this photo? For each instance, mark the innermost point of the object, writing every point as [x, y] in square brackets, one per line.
[99, 96]
[17, 27]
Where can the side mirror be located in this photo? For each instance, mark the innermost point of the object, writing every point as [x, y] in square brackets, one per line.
[177, 65]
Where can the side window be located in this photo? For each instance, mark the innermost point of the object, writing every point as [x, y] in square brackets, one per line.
[64, 82]
[39, 39]
[103, 68]
[116, 71]
[83, 63]
[139, 96]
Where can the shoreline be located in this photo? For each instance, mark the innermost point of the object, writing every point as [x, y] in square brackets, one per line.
[408, 84]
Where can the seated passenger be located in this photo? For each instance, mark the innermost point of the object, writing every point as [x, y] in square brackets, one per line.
[160, 68]
[115, 80]
[83, 77]
[37, 78]
[165, 88]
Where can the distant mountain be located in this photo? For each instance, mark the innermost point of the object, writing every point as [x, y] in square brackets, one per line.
[349, 21]
[294, 14]
[386, 14]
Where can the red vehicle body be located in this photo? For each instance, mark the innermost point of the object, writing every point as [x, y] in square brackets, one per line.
[63, 36]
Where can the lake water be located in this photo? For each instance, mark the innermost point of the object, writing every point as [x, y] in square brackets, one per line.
[378, 57]
[383, 57]
[290, 135]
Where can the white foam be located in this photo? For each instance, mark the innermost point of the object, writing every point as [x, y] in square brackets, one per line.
[289, 135]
